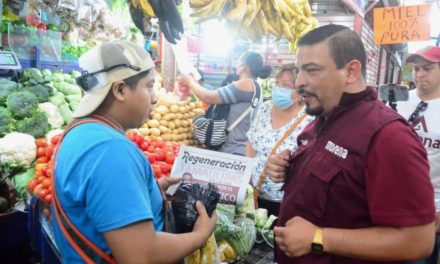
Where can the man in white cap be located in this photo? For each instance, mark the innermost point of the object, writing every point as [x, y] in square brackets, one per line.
[108, 206]
[422, 110]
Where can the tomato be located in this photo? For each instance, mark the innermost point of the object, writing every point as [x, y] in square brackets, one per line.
[160, 154]
[150, 156]
[47, 183]
[40, 179]
[148, 139]
[44, 171]
[144, 146]
[160, 142]
[38, 188]
[156, 170]
[150, 148]
[170, 157]
[49, 172]
[42, 193]
[41, 152]
[41, 142]
[32, 184]
[48, 198]
[153, 143]
[164, 167]
[131, 134]
[40, 166]
[49, 151]
[56, 139]
[43, 159]
[139, 140]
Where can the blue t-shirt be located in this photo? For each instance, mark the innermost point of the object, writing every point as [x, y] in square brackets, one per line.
[103, 182]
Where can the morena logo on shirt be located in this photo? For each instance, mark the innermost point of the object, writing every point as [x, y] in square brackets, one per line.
[427, 140]
[337, 150]
[421, 124]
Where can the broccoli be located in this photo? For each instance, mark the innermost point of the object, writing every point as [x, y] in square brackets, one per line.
[37, 125]
[41, 92]
[6, 88]
[22, 104]
[6, 121]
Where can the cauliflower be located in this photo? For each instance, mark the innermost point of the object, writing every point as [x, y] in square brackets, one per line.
[53, 115]
[18, 148]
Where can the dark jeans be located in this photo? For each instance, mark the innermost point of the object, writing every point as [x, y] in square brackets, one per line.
[434, 256]
[273, 208]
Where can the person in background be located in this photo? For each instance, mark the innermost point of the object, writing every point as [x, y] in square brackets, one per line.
[103, 184]
[231, 77]
[357, 189]
[422, 111]
[278, 121]
[202, 81]
[238, 95]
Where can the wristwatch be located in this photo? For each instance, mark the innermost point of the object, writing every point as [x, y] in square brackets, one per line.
[317, 244]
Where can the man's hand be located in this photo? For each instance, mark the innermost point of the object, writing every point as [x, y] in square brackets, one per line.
[295, 239]
[277, 165]
[204, 225]
[165, 182]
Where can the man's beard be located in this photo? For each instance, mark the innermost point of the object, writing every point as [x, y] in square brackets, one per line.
[314, 111]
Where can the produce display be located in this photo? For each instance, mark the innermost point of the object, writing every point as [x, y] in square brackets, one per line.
[172, 120]
[255, 19]
[159, 153]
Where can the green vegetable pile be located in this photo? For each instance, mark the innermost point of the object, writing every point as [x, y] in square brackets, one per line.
[19, 111]
[41, 101]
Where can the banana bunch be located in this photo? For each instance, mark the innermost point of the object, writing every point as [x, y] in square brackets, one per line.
[255, 19]
[204, 255]
[170, 22]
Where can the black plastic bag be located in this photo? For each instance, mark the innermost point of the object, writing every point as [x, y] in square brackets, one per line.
[184, 201]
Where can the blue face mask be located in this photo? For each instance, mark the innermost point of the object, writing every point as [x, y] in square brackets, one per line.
[282, 97]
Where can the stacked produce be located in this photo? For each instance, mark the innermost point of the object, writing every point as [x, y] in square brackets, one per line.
[160, 154]
[255, 19]
[41, 184]
[172, 120]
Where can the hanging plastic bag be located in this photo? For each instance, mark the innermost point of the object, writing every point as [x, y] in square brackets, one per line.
[243, 240]
[184, 201]
[84, 17]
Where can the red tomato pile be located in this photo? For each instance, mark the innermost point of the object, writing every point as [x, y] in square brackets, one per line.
[41, 185]
[161, 154]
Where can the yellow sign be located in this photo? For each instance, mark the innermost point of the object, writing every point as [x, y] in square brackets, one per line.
[401, 24]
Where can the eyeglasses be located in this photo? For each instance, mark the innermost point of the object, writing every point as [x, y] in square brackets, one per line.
[415, 116]
[87, 82]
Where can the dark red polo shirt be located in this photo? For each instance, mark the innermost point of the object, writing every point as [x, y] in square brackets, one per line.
[353, 171]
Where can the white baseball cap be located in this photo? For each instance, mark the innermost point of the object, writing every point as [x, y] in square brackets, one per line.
[123, 58]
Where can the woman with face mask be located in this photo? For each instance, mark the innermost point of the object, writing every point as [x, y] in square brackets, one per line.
[275, 128]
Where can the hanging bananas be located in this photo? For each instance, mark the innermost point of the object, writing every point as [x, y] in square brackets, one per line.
[290, 19]
[170, 21]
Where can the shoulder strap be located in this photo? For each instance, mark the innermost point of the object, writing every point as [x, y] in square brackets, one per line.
[85, 248]
[264, 172]
[256, 98]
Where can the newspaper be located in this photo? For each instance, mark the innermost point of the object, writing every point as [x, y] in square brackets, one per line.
[230, 173]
